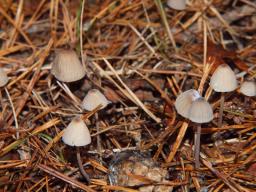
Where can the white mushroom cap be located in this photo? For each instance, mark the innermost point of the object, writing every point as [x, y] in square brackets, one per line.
[67, 67]
[223, 79]
[184, 101]
[177, 4]
[3, 78]
[76, 133]
[93, 99]
[200, 111]
[248, 88]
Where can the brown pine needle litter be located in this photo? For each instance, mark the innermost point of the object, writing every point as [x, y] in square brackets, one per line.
[141, 54]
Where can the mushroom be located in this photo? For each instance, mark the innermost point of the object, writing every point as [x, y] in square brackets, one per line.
[184, 101]
[3, 81]
[177, 4]
[67, 67]
[192, 106]
[223, 80]
[248, 88]
[77, 135]
[200, 112]
[3, 78]
[91, 101]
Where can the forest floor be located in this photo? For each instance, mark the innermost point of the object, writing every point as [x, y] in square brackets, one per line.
[141, 54]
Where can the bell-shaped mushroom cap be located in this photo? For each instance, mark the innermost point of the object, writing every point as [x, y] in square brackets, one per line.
[93, 99]
[3, 78]
[248, 88]
[184, 101]
[67, 67]
[223, 79]
[200, 111]
[177, 4]
[76, 133]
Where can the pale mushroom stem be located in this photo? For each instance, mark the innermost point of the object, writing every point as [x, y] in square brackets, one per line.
[222, 100]
[197, 146]
[80, 165]
[98, 135]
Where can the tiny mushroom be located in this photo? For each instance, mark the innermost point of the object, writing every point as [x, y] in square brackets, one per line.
[199, 112]
[67, 67]
[184, 101]
[77, 135]
[177, 4]
[3, 81]
[192, 106]
[3, 78]
[223, 80]
[248, 88]
[91, 101]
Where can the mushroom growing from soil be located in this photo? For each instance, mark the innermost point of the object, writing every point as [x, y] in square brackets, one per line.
[192, 106]
[199, 112]
[77, 135]
[184, 101]
[3, 81]
[177, 4]
[223, 80]
[3, 78]
[91, 101]
[248, 88]
[67, 67]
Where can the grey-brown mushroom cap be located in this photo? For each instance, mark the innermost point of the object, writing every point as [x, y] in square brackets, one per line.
[3, 78]
[93, 99]
[177, 4]
[184, 100]
[223, 79]
[200, 111]
[67, 67]
[76, 133]
[248, 88]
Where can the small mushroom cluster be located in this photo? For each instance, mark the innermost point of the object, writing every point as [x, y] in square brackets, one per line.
[67, 67]
[191, 105]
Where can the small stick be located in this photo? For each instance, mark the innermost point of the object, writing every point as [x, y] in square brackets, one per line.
[222, 100]
[197, 146]
[80, 165]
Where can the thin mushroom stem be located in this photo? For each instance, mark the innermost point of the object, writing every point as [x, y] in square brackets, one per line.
[98, 136]
[80, 165]
[1, 99]
[197, 146]
[246, 102]
[222, 100]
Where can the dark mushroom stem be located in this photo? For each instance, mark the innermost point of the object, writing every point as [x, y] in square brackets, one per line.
[197, 146]
[222, 100]
[246, 102]
[98, 135]
[80, 165]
